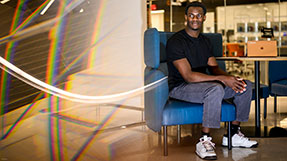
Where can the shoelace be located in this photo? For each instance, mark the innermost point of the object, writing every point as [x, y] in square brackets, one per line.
[208, 144]
[241, 135]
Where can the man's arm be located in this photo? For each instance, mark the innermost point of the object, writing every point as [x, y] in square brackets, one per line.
[188, 75]
[236, 83]
[214, 68]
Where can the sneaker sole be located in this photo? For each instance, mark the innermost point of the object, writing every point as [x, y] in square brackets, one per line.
[207, 157]
[253, 146]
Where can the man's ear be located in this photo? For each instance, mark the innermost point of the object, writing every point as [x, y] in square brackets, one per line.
[185, 22]
[204, 17]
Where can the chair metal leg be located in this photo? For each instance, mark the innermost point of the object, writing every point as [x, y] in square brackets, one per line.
[275, 103]
[178, 133]
[265, 108]
[165, 140]
[229, 136]
[160, 138]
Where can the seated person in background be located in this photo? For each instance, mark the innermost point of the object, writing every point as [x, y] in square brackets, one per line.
[189, 55]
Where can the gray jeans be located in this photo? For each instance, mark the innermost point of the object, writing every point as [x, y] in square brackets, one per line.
[211, 95]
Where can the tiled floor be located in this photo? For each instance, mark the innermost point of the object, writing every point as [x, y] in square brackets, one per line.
[119, 134]
[115, 132]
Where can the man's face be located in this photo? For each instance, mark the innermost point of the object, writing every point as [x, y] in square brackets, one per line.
[195, 18]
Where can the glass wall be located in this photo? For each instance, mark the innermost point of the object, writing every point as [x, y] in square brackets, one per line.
[243, 23]
[237, 21]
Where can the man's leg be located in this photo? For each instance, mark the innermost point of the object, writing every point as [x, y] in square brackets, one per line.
[211, 95]
[242, 103]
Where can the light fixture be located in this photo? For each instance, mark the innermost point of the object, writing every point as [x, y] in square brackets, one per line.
[248, 7]
[47, 7]
[4, 1]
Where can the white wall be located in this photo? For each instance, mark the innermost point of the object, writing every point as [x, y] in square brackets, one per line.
[157, 19]
[208, 26]
[121, 51]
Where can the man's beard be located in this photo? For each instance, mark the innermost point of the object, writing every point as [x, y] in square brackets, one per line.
[194, 29]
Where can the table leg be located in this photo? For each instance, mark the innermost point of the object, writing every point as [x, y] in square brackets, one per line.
[257, 99]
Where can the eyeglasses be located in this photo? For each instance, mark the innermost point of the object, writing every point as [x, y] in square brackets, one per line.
[198, 16]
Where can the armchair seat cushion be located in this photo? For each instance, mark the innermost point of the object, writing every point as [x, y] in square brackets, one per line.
[279, 88]
[179, 113]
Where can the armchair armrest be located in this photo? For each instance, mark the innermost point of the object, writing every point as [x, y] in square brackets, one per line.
[155, 99]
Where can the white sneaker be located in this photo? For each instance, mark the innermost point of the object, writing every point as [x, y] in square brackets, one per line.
[239, 140]
[205, 148]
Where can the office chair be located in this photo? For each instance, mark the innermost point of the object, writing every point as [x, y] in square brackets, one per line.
[242, 67]
[277, 80]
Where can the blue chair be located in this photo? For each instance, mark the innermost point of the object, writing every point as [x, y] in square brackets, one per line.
[277, 80]
[160, 111]
[264, 93]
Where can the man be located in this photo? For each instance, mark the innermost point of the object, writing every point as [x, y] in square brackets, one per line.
[189, 55]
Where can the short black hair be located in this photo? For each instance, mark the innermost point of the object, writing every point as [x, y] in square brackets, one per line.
[195, 4]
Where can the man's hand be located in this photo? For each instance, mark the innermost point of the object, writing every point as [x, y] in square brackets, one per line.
[236, 83]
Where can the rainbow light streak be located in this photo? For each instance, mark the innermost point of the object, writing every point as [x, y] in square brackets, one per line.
[52, 70]
[10, 46]
[17, 122]
[52, 136]
[31, 17]
[97, 29]
[9, 55]
[76, 120]
[67, 10]
[59, 132]
[96, 133]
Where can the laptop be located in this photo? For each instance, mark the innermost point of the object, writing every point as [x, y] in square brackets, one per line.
[261, 49]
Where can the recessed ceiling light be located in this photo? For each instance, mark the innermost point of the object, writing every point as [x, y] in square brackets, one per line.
[46, 8]
[4, 1]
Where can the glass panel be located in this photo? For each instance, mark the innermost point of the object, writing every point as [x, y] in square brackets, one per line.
[237, 21]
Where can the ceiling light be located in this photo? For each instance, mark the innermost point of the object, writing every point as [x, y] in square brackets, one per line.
[47, 7]
[4, 1]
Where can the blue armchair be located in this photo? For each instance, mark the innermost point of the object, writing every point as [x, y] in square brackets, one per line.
[160, 111]
[277, 80]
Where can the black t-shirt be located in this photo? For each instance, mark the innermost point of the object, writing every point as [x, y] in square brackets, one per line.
[195, 50]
